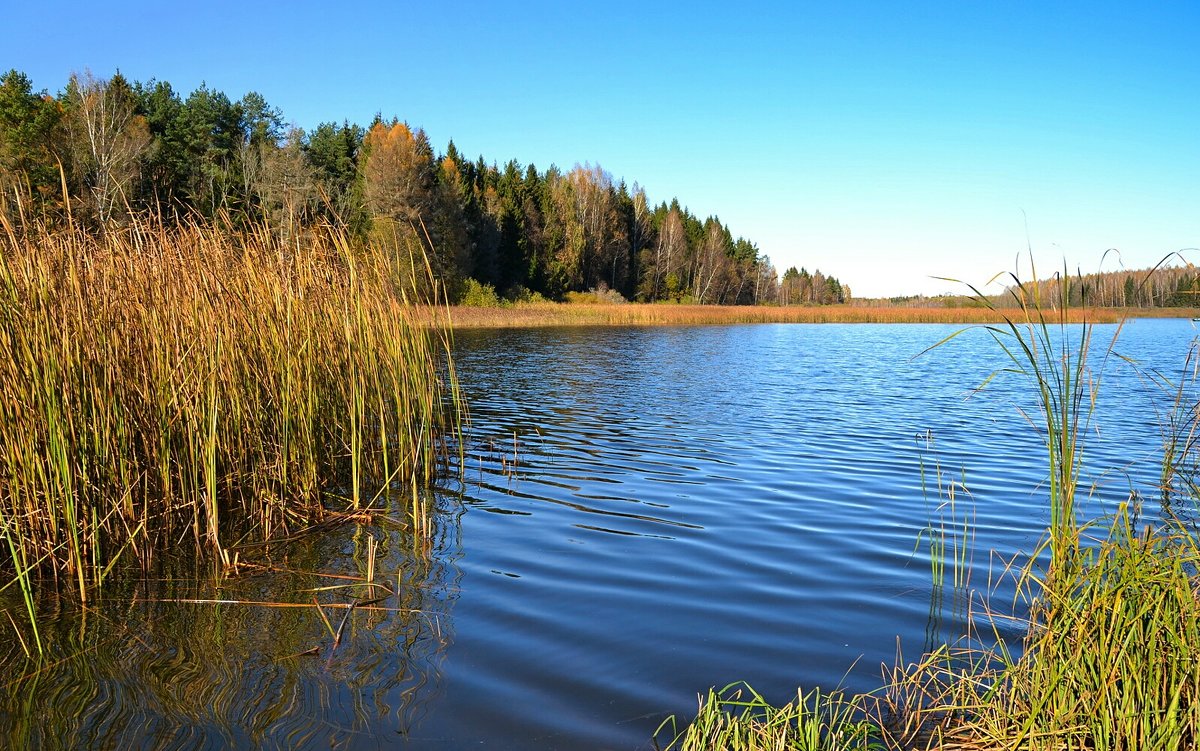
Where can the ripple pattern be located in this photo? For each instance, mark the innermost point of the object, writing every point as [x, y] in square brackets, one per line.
[642, 514]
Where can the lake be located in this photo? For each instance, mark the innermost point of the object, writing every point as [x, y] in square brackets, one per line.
[644, 513]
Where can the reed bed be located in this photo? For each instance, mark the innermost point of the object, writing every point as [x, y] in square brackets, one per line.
[1109, 661]
[642, 314]
[195, 385]
[1193, 313]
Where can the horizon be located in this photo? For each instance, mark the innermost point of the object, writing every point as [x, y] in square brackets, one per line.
[883, 146]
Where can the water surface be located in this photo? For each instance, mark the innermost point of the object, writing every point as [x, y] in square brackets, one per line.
[645, 512]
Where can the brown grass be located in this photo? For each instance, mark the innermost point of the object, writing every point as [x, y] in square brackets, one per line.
[638, 314]
[1158, 312]
[160, 385]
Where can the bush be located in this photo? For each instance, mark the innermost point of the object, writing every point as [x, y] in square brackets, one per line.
[478, 295]
[598, 295]
[521, 294]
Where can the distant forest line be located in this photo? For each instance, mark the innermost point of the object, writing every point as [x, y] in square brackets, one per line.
[1174, 283]
[104, 151]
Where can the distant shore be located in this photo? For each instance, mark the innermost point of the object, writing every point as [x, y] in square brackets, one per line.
[639, 314]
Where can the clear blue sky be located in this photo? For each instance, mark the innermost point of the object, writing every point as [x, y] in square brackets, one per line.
[881, 142]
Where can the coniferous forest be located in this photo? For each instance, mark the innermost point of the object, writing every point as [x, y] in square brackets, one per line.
[103, 151]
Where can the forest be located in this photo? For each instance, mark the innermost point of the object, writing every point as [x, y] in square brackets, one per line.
[103, 152]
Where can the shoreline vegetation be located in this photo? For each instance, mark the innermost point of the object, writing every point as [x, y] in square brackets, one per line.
[166, 388]
[119, 149]
[548, 314]
[1110, 607]
[102, 153]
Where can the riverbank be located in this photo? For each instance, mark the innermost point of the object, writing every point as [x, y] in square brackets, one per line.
[522, 315]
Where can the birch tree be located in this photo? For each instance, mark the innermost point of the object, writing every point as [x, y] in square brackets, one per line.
[662, 269]
[108, 138]
[286, 185]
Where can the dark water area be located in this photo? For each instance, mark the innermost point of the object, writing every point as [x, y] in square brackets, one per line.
[645, 513]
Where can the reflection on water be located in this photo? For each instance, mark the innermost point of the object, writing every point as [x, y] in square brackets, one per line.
[250, 662]
[644, 513]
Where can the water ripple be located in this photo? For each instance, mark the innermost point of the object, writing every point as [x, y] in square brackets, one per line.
[644, 513]
[802, 462]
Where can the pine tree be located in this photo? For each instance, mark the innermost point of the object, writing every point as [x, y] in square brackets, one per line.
[29, 128]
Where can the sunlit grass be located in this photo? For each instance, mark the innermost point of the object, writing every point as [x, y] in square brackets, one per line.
[191, 386]
[1110, 659]
[638, 314]
[738, 718]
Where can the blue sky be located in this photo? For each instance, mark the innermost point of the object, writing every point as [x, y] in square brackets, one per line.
[884, 143]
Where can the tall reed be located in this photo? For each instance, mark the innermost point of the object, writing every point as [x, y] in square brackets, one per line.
[162, 384]
[1047, 340]
[1179, 424]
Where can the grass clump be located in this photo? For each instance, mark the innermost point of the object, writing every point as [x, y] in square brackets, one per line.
[160, 385]
[1111, 659]
[739, 718]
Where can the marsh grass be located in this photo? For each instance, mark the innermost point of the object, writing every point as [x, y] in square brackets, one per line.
[1110, 657]
[201, 387]
[1109, 660]
[1179, 423]
[737, 717]
[643, 314]
[949, 539]
[1050, 348]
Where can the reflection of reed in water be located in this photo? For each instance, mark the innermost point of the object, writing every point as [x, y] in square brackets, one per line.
[249, 662]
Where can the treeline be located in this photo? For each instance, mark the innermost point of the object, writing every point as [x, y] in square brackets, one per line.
[1162, 287]
[803, 288]
[105, 150]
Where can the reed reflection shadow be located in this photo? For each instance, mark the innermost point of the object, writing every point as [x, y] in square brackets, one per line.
[335, 640]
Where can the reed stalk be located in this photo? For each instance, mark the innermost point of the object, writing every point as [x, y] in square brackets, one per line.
[1047, 340]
